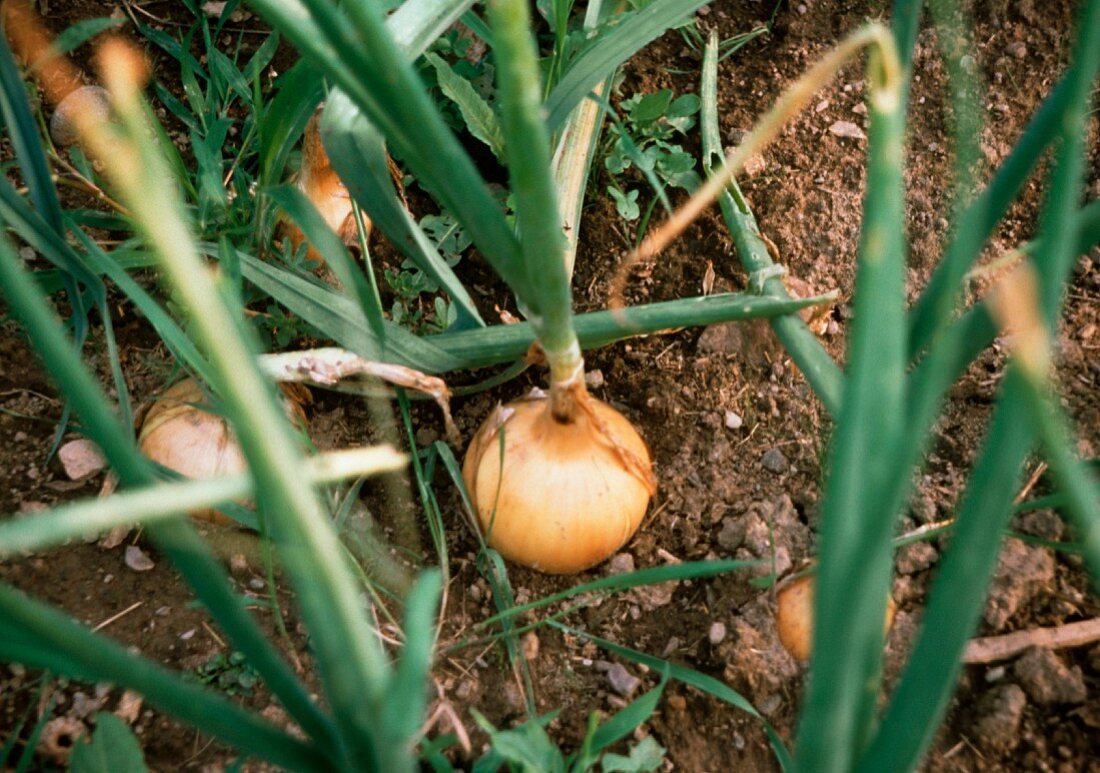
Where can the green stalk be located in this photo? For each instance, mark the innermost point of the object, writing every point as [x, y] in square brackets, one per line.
[178, 540]
[922, 695]
[855, 554]
[169, 500]
[55, 633]
[820, 370]
[352, 664]
[542, 242]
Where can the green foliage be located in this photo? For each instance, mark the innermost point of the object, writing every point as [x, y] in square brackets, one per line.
[648, 139]
[527, 748]
[113, 749]
[230, 674]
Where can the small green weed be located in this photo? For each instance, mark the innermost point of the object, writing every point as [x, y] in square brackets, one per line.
[229, 673]
[648, 138]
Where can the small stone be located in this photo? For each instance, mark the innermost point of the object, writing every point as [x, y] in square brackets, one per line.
[129, 707]
[621, 563]
[81, 458]
[26, 254]
[256, 583]
[1047, 680]
[594, 379]
[1016, 49]
[83, 705]
[725, 338]
[774, 461]
[530, 646]
[137, 559]
[732, 420]
[238, 565]
[847, 129]
[717, 633]
[801, 8]
[622, 681]
[998, 713]
[732, 534]
[163, 611]
[187, 635]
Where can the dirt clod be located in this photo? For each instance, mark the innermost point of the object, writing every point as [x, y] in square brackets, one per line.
[997, 718]
[1023, 572]
[1047, 679]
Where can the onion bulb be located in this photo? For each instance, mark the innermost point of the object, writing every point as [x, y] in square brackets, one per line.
[794, 617]
[569, 493]
[320, 183]
[181, 434]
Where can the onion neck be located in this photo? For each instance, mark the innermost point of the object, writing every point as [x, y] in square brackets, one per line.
[566, 382]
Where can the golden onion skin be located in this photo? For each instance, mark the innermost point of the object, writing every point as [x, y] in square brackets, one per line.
[195, 442]
[566, 500]
[794, 616]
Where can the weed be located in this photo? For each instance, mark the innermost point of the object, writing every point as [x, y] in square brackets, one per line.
[648, 138]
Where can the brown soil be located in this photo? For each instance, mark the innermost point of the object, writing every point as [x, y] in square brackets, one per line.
[750, 492]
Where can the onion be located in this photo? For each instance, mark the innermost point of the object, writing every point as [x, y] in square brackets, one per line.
[794, 616]
[182, 435]
[320, 183]
[571, 492]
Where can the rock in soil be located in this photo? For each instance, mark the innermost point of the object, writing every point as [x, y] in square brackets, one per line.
[997, 718]
[774, 461]
[1047, 679]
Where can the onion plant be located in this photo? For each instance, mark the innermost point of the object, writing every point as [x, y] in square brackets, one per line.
[373, 703]
[899, 367]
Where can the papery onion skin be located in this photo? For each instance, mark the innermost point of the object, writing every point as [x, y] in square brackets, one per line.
[320, 183]
[178, 433]
[566, 500]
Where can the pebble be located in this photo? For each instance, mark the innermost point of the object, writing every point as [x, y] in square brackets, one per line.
[717, 633]
[187, 635]
[594, 378]
[256, 583]
[1016, 49]
[27, 254]
[81, 458]
[732, 420]
[621, 563]
[530, 646]
[137, 559]
[238, 565]
[847, 129]
[622, 681]
[732, 535]
[774, 461]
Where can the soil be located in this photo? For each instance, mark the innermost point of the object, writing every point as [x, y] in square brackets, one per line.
[747, 489]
